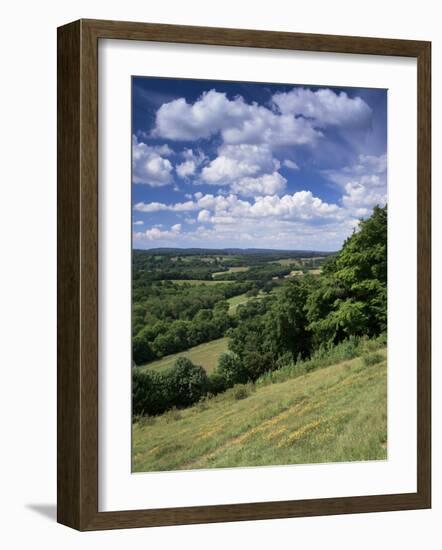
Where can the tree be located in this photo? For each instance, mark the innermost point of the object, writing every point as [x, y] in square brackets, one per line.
[256, 364]
[187, 382]
[141, 351]
[286, 324]
[230, 367]
[149, 393]
[351, 298]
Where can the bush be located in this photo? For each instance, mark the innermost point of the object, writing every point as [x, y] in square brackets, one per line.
[172, 415]
[325, 356]
[186, 382]
[217, 383]
[156, 392]
[256, 364]
[240, 392]
[141, 351]
[231, 369]
[372, 359]
[149, 393]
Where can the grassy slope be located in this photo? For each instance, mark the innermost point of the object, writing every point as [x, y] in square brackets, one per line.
[235, 301]
[337, 413]
[205, 355]
[199, 282]
[230, 270]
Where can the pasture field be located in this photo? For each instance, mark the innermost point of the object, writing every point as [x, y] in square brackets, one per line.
[289, 261]
[230, 270]
[337, 413]
[235, 301]
[205, 355]
[199, 282]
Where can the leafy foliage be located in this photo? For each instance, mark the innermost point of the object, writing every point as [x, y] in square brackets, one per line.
[351, 297]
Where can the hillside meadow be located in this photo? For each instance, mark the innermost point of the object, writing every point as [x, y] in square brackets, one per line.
[206, 355]
[336, 413]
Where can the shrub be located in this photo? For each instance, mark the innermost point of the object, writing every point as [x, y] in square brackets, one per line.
[141, 351]
[325, 356]
[155, 392]
[149, 393]
[144, 420]
[372, 359]
[186, 382]
[231, 369]
[172, 415]
[256, 364]
[240, 392]
[216, 383]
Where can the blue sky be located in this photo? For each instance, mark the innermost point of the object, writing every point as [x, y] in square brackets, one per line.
[254, 165]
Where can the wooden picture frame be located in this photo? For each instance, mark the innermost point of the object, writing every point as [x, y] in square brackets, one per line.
[78, 274]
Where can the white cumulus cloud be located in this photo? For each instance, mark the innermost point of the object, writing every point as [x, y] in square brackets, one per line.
[290, 164]
[192, 161]
[364, 184]
[148, 166]
[237, 161]
[237, 121]
[324, 107]
[267, 184]
[187, 206]
[155, 233]
[302, 205]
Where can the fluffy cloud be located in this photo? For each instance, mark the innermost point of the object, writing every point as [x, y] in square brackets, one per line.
[360, 198]
[204, 216]
[249, 170]
[186, 169]
[237, 121]
[155, 233]
[302, 205]
[324, 107]
[192, 161]
[290, 164]
[364, 183]
[237, 161]
[368, 168]
[148, 166]
[187, 206]
[267, 184]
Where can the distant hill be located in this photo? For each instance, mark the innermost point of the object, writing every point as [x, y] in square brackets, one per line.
[231, 251]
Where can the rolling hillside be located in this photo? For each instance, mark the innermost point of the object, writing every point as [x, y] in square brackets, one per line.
[206, 355]
[337, 413]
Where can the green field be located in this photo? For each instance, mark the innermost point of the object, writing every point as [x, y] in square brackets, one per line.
[235, 301]
[337, 413]
[199, 282]
[230, 270]
[288, 261]
[206, 355]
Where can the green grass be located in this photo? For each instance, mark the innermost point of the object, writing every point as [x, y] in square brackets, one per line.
[293, 274]
[235, 301]
[199, 282]
[206, 355]
[230, 270]
[333, 414]
[242, 299]
[288, 261]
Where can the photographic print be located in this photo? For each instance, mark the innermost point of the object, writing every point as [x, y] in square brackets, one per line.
[259, 274]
